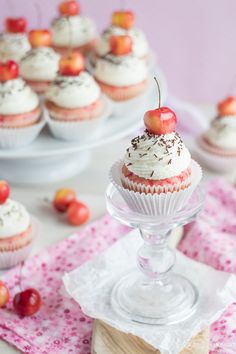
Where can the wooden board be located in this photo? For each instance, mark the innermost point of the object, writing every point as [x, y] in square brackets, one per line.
[107, 340]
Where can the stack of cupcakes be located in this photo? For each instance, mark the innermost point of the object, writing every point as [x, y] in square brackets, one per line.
[17, 230]
[217, 147]
[76, 107]
[157, 175]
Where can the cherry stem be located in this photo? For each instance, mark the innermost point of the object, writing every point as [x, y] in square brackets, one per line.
[39, 14]
[159, 92]
[232, 84]
[70, 37]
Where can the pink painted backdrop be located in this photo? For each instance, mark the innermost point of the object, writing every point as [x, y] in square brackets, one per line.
[195, 40]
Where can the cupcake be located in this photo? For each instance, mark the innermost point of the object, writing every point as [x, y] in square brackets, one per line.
[14, 43]
[123, 24]
[220, 139]
[157, 175]
[16, 230]
[74, 100]
[120, 74]
[20, 112]
[72, 30]
[39, 65]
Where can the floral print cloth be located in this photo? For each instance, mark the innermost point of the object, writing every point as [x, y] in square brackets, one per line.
[61, 328]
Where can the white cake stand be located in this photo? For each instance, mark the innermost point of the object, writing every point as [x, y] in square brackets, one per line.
[48, 160]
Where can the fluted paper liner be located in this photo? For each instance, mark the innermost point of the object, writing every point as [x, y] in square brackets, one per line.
[12, 138]
[80, 130]
[165, 203]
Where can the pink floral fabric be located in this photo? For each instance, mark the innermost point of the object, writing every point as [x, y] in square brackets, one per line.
[59, 327]
[211, 239]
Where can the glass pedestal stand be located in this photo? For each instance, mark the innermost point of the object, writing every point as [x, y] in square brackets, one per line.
[156, 295]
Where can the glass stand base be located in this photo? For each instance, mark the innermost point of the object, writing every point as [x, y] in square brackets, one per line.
[165, 302]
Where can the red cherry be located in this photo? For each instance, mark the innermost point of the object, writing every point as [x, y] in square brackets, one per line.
[27, 302]
[69, 8]
[161, 120]
[71, 65]
[8, 70]
[123, 19]
[63, 198]
[77, 213]
[4, 294]
[16, 24]
[121, 45]
[4, 191]
[227, 107]
[40, 38]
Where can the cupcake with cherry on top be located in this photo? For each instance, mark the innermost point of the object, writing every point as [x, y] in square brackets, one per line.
[220, 139]
[123, 23]
[121, 75]
[39, 66]
[72, 30]
[14, 43]
[16, 229]
[74, 100]
[20, 111]
[157, 175]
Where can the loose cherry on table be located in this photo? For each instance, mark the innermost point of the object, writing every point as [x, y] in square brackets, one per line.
[69, 8]
[72, 64]
[27, 302]
[77, 213]
[16, 24]
[227, 107]
[40, 38]
[4, 191]
[4, 294]
[120, 45]
[63, 198]
[123, 19]
[161, 120]
[8, 70]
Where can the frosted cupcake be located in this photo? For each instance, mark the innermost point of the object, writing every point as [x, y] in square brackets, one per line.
[220, 139]
[39, 66]
[14, 43]
[72, 30]
[157, 175]
[123, 24]
[16, 231]
[120, 74]
[20, 112]
[73, 100]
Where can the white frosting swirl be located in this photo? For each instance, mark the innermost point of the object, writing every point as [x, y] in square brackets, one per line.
[40, 64]
[73, 91]
[14, 219]
[17, 97]
[157, 156]
[222, 132]
[140, 46]
[73, 31]
[121, 71]
[13, 46]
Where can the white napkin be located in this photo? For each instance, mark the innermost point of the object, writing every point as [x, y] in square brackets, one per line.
[90, 285]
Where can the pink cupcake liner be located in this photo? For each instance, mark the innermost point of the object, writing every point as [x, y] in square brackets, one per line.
[165, 203]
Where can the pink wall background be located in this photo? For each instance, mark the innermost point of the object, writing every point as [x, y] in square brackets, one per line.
[195, 40]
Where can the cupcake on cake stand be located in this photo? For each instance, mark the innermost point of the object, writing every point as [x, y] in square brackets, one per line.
[154, 189]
